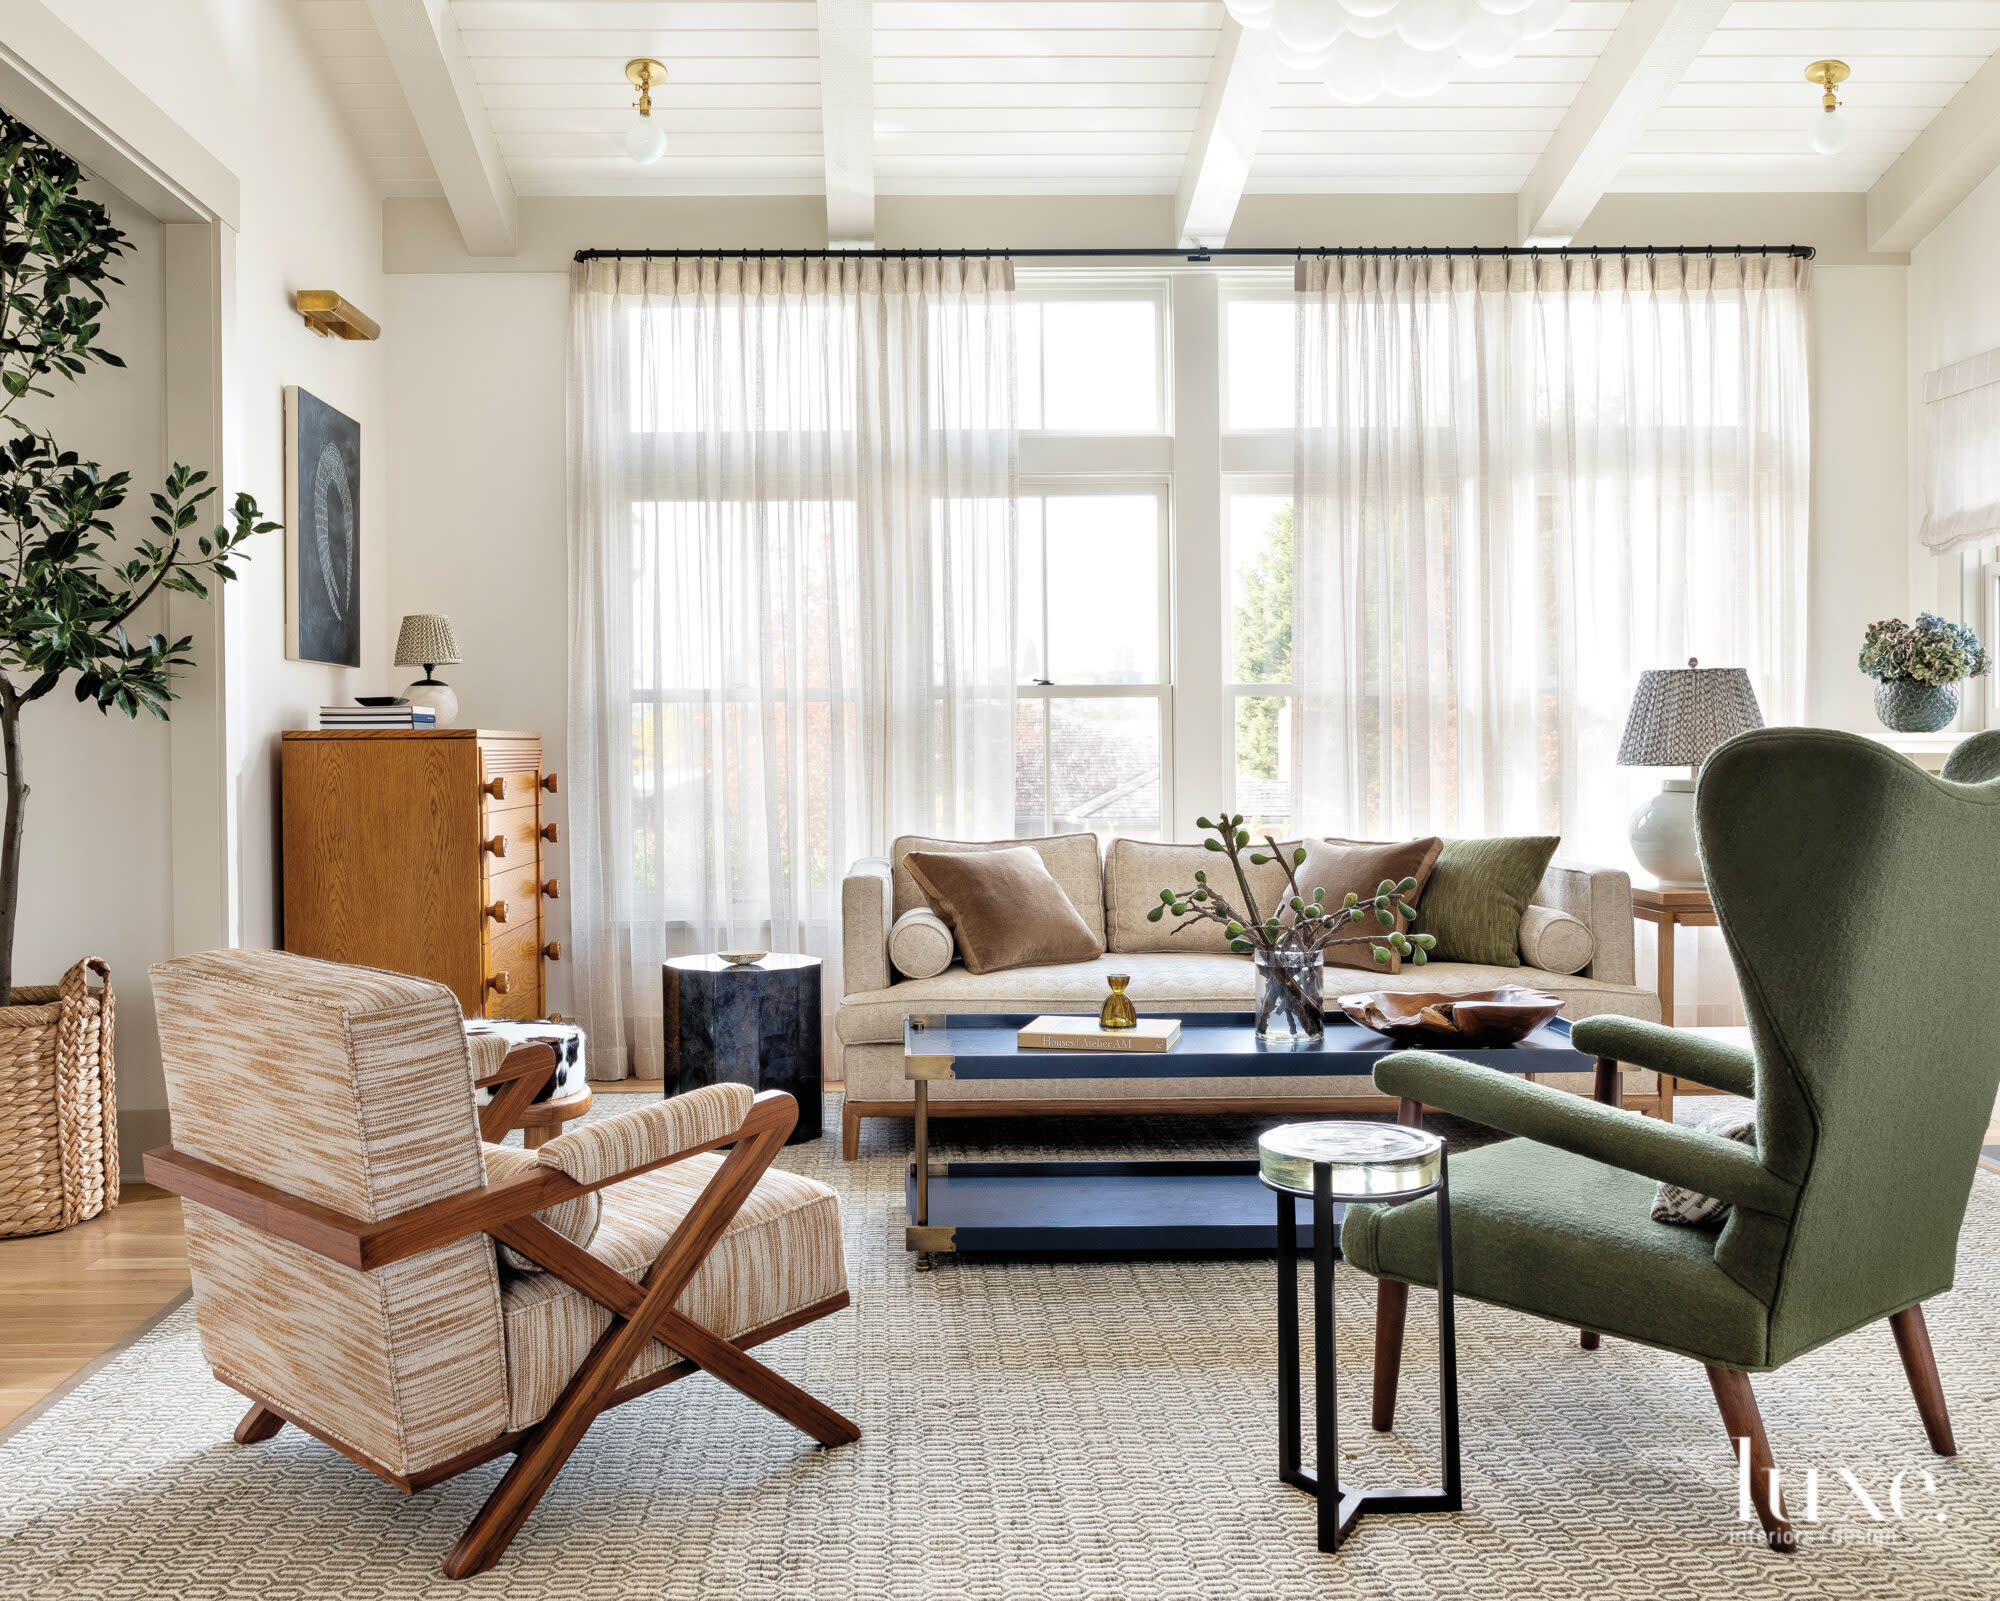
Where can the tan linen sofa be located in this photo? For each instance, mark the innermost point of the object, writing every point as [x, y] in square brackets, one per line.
[1113, 892]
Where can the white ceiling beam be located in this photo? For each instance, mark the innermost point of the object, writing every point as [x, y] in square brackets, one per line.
[1942, 165]
[429, 57]
[847, 119]
[1644, 59]
[1242, 82]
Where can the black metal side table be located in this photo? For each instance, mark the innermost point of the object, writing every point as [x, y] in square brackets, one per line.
[1382, 1164]
[754, 1023]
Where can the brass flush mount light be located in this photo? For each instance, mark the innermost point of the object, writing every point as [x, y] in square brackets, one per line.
[1830, 131]
[645, 140]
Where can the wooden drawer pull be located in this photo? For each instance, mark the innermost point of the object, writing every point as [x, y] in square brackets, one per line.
[553, 950]
[553, 889]
[498, 984]
[549, 782]
[497, 845]
[497, 788]
[497, 911]
[549, 832]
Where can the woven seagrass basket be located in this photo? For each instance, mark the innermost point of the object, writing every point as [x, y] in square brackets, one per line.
[58, 1103]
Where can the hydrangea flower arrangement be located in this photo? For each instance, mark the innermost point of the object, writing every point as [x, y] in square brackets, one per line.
[1928, 651]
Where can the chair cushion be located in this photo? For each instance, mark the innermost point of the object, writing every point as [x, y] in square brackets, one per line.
[1362, 866]
[575, 1220]
[1555, 941]
[1569, 1239]
[781, 1253]
[1477, 894]
[1136, 870]
[1182, 982]
[1072, 861]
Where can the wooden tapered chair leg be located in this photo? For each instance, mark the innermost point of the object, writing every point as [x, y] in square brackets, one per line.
[259, 1423]
[1587, 1339]
[1744, 1422]
[1392, 1310]
[1913, 1344]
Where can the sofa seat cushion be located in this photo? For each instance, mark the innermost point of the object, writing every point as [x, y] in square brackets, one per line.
[781, 1253]
[1569, 1239]
[1177, 981]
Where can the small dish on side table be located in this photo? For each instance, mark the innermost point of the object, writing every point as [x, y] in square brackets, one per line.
[742, 958]
[1484, 1018]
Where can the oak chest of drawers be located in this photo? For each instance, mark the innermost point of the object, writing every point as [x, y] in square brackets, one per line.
[421, 852]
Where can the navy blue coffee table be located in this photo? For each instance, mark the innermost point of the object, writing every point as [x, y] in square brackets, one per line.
[1178, 1205]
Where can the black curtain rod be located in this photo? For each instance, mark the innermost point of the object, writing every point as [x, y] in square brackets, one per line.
[1802, 252]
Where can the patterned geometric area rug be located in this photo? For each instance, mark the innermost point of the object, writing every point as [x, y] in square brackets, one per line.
[1060, 1431]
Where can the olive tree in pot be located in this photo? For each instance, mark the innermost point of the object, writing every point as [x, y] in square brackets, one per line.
[67, 594]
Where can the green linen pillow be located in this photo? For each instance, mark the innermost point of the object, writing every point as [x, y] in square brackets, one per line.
[1479, 889]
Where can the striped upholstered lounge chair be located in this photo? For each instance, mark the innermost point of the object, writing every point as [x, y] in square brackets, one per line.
[346, 1228]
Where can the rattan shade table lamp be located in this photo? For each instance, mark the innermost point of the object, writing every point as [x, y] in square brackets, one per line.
[1385, 1165]
[426, 641]
[1679, 715]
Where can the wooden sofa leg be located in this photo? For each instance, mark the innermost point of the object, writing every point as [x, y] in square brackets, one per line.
[850, 1133]
[259, 1423]
[1587, 1338]
[1744, 1422]
[1913, 1344]
[1392, 1310]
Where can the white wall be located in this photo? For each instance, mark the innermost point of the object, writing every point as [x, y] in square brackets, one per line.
[475, 406]
[1954, 313]
[94, 878]
[243, 79]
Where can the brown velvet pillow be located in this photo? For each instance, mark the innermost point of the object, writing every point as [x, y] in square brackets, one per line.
[1340, 865]
[1004, 907]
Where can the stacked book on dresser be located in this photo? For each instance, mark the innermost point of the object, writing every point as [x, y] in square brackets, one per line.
[404, 716]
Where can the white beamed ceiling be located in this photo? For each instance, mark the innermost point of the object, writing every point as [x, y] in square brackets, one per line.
[1101, 97]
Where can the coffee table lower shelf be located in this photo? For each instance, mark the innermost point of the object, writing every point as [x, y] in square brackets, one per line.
[1094, 1208]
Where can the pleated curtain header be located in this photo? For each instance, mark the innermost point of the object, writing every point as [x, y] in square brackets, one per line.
[795, 275]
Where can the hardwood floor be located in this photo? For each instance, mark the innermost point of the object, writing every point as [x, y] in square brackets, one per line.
[67, 1298]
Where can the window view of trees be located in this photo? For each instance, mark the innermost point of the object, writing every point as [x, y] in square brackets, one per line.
[1263, 639]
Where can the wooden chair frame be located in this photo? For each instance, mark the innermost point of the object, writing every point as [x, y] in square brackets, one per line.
[640, 1312]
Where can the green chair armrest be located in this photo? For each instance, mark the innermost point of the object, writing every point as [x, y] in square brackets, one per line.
[1719, 1065]
[1695, 1160]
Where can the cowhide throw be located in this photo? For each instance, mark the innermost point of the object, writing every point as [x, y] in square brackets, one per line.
[565, 1038]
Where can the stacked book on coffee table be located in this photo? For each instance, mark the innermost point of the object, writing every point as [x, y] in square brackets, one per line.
[404, 716]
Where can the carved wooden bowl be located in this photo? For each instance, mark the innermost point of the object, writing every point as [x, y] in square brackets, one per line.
[1486, 1018]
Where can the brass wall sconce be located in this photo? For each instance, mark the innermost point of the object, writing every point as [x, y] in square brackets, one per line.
[327, 314]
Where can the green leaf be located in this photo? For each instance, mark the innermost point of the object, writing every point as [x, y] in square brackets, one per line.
[1240, 946]
[1242, 838]
[1386, 919]
[1212, 844]
[1258, 858]
[1381, 956]
[1427, 942]
[1299, 857]
[1407, 887]
[1233, 930]
[1155, 914]
[1418, 958]
[1203, 822]
[1200, 875]
[1167, 896]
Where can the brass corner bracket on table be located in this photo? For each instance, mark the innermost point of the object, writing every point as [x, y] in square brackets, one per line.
[326, 313]
[919, 1238]
[926, 1067]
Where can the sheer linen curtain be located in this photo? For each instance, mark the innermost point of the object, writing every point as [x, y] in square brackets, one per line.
[791, 526]
[1520, 481]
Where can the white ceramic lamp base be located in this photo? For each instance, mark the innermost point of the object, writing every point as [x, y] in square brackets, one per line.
[1663, 836]
[439, 696]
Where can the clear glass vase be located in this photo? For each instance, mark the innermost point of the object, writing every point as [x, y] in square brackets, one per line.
[1290, 1005]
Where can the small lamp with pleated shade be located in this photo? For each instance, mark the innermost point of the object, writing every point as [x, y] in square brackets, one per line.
[426, 641]
[1679, 715]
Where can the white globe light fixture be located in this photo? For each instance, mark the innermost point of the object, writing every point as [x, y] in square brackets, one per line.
[1364, 49]
[1830, 131]
[645, 139]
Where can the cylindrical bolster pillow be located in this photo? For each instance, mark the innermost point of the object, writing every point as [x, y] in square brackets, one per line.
[1556, 942]
[603, 1150]
[920, 945]
[575, 1220]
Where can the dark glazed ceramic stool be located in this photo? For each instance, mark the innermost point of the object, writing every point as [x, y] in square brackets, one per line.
[757, 1024]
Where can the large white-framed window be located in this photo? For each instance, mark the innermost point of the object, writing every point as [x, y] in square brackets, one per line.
[1094, 617]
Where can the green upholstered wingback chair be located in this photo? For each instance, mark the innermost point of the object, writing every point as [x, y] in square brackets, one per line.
[1860, 899]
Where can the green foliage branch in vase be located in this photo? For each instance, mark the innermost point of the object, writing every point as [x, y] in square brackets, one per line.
[1297, 931]
[65, 594]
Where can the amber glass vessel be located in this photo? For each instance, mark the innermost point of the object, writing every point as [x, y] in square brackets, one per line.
[1118, 1010]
